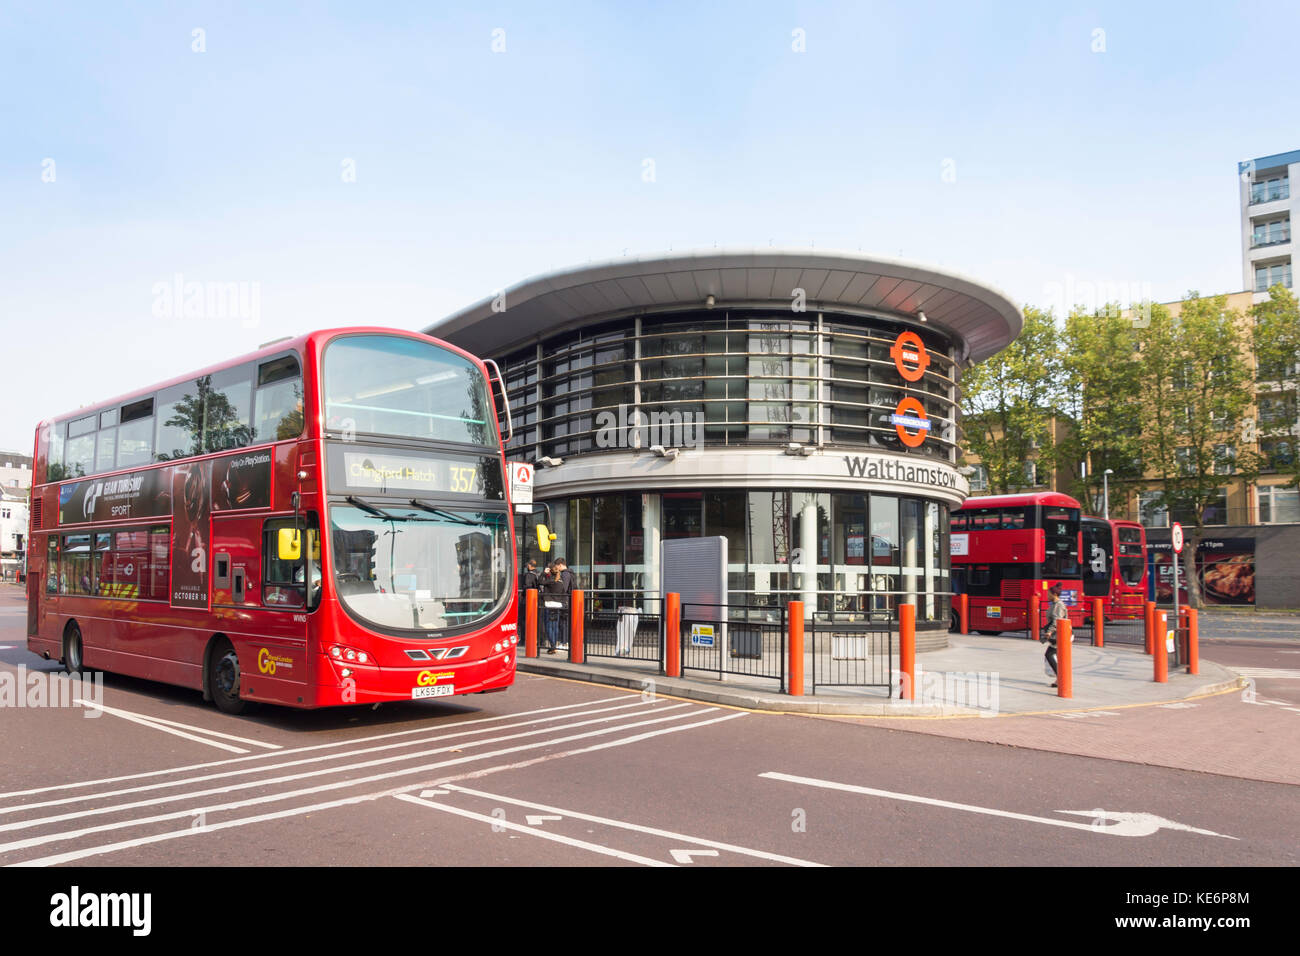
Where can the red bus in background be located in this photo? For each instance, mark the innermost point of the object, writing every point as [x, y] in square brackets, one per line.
[324, 521]
[1114, 567]
[1007, 547]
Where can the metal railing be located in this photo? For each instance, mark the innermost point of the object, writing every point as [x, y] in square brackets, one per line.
[851, 653]
[623, 624]
[734, 639]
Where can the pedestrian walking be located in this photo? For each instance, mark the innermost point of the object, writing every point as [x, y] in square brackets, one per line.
[1057, 612]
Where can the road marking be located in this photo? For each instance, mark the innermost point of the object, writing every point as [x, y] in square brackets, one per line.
[388, 775]
[79, 854]
[146, 722]
[537, 819]
[684, 856]
[1129, 824]
[335, 743]
[499, 824]
[635, 827]
[1272, 673]
[173, 723]
[263, 768]
[286, 778]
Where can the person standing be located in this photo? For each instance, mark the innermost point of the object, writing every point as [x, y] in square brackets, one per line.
[531, 579]
[1058, 612]
[559, 583]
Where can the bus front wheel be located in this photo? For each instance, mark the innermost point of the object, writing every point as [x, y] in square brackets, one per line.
[223, 678]
[72, 659]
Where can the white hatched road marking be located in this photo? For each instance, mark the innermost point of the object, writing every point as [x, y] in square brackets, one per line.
[1271, 673]
[85, 852]
[1126, 824]
[146, 718]
[532, 831]
[311, 747]
[263, 768]
[684, 856]
[286, 778]
[635, 827]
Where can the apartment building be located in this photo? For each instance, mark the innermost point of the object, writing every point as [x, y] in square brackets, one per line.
[1268, 208]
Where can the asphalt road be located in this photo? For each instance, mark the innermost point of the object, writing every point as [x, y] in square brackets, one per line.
[554, 773]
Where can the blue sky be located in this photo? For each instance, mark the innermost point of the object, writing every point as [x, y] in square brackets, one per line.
[475, 169]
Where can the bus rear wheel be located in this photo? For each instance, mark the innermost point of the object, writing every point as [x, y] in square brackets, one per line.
[223, 678]
[73, 662]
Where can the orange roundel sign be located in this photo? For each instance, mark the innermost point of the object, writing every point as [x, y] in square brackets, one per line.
[910, 417]
[910, 357]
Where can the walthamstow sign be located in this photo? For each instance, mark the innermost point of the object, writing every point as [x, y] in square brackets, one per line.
[907, 471]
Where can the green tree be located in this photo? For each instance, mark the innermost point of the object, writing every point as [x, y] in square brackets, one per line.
[1276, 339]
[1009, 401]
[1197, 385]
[1102, 385]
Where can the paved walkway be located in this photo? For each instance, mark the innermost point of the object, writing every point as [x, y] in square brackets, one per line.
[975, 676]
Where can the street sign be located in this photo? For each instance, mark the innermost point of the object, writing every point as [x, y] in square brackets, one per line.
[1178, 537]
[521, 484]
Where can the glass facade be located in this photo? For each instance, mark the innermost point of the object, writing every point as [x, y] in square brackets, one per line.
[744, 377]
[858, 555]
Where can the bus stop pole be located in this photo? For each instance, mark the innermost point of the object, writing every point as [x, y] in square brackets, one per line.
[963, 613]
[1098, 624]
[795, 612]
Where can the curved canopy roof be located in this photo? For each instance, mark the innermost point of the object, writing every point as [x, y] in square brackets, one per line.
[981, 317]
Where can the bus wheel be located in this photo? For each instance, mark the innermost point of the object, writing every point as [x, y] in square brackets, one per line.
[72, 659]
[223, 678]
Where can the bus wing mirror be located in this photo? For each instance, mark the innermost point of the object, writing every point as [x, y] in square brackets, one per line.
[289, 544]
[544, 538]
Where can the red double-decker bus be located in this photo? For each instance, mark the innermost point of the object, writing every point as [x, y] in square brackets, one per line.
[1007, 547]
[1114, 567]
[325, 521]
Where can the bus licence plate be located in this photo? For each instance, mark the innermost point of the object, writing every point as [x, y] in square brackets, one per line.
[443, 690]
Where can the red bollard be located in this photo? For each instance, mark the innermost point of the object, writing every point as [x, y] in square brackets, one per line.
[673, 635]
[1193, 643]
[963, 613]
[1161, 655]
[575, 628]
[907, 649]
[795, 624]
[1098, 624]
[1149, 619]
[1064, 659]
[530, 623]
[1035, 622]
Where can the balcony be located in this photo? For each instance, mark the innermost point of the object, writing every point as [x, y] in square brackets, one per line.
[1260, 240]
[1269, 192]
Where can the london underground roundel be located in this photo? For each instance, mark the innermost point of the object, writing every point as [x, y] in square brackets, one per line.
[911, 422]
[910, 357]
